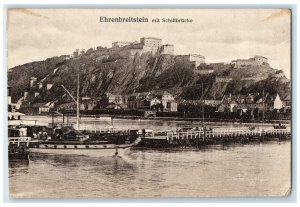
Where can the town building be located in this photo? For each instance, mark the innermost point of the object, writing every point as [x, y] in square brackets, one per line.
[25, 95]
[250, 102]
[49, 86]
[41, 108]
[36, 108]
[204, 71]
[66, 57]
[146, 44]
[216, 64]
[132, 50]
[116, 99]
[165, 99]
[121, 43]
[167, 49]
[149, 113]
[71, 106]
[223, 79]
[155, 100]
[286, 103]
[114, 106]
[12, 107]
[78, 52]
[150, 44]
[195, 59]
[9, 105]
[212, 103]
[277, 103]
[151, 41]
[32, 81]
[139, 100]
[86, 104]
[256, 60]
[168, 102]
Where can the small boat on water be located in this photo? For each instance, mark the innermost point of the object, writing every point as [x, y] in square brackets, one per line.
[65, 140]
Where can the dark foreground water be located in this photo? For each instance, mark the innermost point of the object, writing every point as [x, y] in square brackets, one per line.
[249, 170]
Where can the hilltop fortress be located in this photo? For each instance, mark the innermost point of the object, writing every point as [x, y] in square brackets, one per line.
[146, 44]
[256, 60]
[152, 45]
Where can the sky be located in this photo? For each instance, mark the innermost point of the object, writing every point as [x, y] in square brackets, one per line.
[221, 35]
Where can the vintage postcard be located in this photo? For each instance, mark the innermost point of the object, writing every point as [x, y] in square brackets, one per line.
[149, 103]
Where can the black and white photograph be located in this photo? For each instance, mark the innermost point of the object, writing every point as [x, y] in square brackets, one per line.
[149, 103]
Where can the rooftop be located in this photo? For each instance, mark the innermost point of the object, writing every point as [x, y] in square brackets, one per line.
[40, 105]
[196, 55]
[155, 38]
[260, 56]
[125, 42]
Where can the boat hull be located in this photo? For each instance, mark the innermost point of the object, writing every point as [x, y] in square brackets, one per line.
[84, 152]
[93, 150]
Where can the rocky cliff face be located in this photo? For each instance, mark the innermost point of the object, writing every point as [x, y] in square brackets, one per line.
[120, 74]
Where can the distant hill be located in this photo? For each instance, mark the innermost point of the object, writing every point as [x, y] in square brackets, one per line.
[122, 74]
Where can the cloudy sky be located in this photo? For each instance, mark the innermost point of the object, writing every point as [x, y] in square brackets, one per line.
[219, 35]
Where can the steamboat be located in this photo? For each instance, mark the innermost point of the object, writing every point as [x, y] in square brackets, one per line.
[66, 140]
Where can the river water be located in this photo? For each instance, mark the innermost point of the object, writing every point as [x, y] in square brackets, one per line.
[261, 169]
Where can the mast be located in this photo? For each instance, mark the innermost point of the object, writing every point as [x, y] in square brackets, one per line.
[78, 109]
[52, 125]
[76, 101]
[112, 123]
[202, 105]
[263, 115]
[263, 110]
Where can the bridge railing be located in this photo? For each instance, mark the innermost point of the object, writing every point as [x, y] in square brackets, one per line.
[101, 129]
[226, 133]
[185, 135]
[18, 140]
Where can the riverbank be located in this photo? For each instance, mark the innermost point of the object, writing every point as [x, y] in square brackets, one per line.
[206, 120]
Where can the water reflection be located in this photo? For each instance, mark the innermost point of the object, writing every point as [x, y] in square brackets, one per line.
[18, 168]
[18, 164]
[74, 161]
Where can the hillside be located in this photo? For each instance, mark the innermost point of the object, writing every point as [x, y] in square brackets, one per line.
[120, 74]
